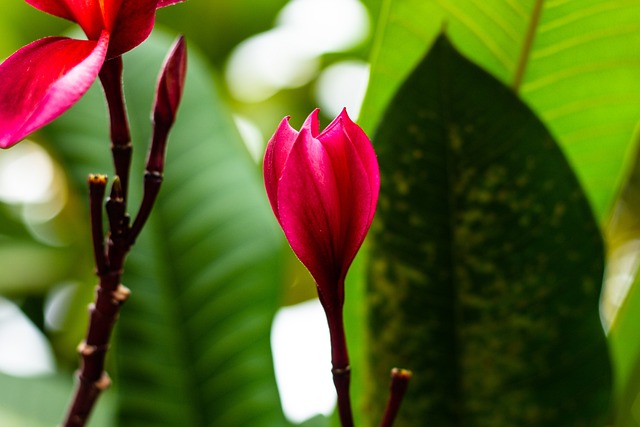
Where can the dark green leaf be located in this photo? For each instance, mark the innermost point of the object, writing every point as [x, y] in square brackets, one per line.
[193, 347]
[486, 260]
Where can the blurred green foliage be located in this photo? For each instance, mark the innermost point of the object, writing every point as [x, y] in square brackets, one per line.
[581, 78]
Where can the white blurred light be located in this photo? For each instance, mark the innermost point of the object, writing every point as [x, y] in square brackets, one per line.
[288, 55]
[25, 351]
[264, 64]
[343, 85]
[326, 25]
[251, 136]
[302, 360]
[57, 305]
[26, 174]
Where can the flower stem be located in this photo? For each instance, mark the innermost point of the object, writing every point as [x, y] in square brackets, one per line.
[111, 79]
[340, 363]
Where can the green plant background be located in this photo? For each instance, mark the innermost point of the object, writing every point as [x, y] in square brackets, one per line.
[507, 154]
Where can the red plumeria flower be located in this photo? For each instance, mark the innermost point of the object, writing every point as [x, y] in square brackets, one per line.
[45, 78]
[323, 188]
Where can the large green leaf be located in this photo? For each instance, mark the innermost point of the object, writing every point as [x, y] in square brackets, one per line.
[193, 340]
[575, 63]
[486, 260]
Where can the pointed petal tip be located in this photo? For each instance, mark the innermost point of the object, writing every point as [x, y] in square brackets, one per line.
[312, 122]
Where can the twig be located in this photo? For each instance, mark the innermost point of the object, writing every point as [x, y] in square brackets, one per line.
[399, 383]
[110, 255]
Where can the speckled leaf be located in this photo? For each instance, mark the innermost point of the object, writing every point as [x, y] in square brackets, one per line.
[486, 261]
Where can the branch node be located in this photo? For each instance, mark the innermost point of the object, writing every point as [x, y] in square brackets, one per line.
[86, 350]
[104, 382]
[341, 371]
[121, 294]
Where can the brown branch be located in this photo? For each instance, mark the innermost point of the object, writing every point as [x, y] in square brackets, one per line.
[110, 257]
[121, 148]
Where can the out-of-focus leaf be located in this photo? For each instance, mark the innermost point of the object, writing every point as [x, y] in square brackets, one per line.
[29, 267]
[486, 261]
[625, 350]
[41, 402]
[317, 421]
[193, 340]
[621, 302]
[219, 26]
[21, 24]
[580, 74]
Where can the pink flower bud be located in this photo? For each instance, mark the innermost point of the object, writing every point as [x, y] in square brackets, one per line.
[165, 106]
[170, 84]
[323, 188]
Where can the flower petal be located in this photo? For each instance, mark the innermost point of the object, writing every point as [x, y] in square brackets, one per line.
[54, 7]
[163, 3]
[323, 200]
[132, 25]
[356, 196]
[309, 207]
[170, 85]
[312, 122]
[42, 80]
[87, 13]
[275, 158]
[364, 150]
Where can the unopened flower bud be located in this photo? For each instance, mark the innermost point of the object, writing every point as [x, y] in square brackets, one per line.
[170, 85]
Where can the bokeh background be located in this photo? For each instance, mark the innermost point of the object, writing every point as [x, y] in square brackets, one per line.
[268, 59]
[251, 64]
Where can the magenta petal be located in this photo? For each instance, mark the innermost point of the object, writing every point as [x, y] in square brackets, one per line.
[309, 206]
[355, 192]
[275, 157]
[170, 84]
[312, 123]
[360, 141]
[324, 200]
[44, 79]
[53, 7]
[132, 26]
[163, 3]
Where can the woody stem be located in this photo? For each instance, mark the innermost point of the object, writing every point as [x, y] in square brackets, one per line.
[121, 148]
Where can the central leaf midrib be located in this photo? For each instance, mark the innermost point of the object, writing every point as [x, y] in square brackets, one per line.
[176, 313]
[450, 171]
[527, 45]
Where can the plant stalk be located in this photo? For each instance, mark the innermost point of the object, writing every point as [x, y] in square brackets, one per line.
[121, 148]
[399, 383]
[340, 363]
